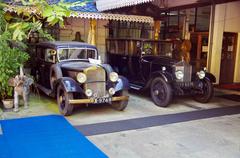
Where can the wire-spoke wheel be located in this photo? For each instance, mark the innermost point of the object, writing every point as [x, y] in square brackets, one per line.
[161, 92]
[63, 98]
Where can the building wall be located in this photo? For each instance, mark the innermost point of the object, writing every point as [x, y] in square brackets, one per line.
[227, 19]
[73, 25]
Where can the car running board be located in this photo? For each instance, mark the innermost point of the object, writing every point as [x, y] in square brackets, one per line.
[44, 90]
[136, 87]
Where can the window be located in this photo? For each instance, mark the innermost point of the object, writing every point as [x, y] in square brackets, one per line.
[121, 29]
[199, 20]
[203, 18]
[191, 15]
[173, 21]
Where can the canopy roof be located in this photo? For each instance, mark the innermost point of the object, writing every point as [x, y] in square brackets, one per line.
[104, 5]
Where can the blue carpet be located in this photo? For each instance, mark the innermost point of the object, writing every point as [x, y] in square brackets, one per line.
[44, 137]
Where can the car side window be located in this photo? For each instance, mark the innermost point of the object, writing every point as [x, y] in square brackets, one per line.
[50, 56]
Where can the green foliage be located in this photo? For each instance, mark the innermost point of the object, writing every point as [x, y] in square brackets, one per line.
[10, 61]
[2, 20]
[31, 21]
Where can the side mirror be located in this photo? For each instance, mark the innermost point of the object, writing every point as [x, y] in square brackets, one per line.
[53, 52]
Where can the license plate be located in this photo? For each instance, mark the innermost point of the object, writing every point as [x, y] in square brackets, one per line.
[102, 100]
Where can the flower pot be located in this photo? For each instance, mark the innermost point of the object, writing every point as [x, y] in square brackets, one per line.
[8, 103]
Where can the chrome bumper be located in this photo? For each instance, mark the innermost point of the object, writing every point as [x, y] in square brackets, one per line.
[89, 101]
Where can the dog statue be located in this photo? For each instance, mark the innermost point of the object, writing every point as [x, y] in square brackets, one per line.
[21, 84]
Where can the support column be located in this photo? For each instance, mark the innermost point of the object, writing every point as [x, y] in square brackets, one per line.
[157, 27]
[237, 63]
[92, 32]
[186, 44]
[216, 48]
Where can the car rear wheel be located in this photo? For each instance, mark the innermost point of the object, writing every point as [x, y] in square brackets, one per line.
[207, 92]
[63, 98]
[120, 105]
[161, 92]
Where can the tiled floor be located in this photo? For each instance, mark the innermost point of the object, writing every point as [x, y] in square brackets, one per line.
[215, 137]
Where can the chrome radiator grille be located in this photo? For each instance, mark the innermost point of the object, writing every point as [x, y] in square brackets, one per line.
[186, 69]
[96, 81]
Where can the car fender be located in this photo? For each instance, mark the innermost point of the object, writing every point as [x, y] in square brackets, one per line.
[122, 84]
[69, 84]
[56, 70]
[107, 68]
[163, 74]
[210, 77]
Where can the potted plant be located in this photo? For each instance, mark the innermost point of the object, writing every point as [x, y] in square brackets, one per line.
[10, 61]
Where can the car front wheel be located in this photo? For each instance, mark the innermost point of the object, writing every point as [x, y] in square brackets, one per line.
[120, 105]
[207, 92]
[161, 92]
[63, 98]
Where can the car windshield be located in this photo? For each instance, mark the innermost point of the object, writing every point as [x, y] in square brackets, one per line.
[158, 48]
[163, 48]
[76, 53]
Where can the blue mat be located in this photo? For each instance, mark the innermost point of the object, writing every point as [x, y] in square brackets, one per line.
[44, 137]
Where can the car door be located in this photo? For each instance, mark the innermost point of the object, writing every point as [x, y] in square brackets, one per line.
[46, 62]
[145, 66]
[134, 61]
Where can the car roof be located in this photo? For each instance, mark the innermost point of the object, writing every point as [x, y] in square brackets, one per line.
[66, 44]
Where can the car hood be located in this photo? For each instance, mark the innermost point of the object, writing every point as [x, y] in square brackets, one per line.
[160, 60]
[165, 61]
[75, 65]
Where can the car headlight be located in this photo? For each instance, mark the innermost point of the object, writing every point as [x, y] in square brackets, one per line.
[179, 75]
[201, 74]
[89, 92]
[163, 68]
[111, 91]
[113, 76]
[81, 77]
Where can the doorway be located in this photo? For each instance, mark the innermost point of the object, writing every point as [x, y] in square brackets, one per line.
[228, 57]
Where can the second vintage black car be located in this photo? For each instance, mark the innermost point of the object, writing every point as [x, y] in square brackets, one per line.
[150, 64]
[72, 72]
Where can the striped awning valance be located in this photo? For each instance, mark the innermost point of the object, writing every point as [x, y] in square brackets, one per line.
[103, 5]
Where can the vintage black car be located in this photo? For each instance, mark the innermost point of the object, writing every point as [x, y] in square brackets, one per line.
[72, 72]
[152, 65]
